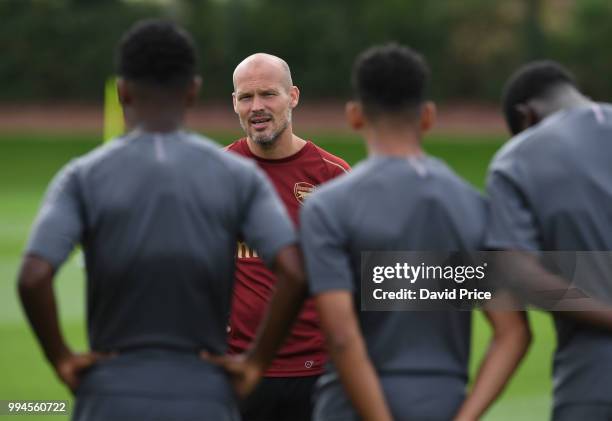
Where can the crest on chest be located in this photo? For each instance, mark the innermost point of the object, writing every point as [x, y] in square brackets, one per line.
[302, 190]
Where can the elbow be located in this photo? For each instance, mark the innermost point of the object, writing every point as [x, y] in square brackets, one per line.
[33, 275]
[522, 333]
[26, 284]
[526, 338]
[519, 337]
[339, 342]
[289, 265]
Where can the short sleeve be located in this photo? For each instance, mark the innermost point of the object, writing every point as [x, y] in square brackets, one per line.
[512, 224]
[328, 265]
[58, 226]
[340, 167]
[336, 166]
[266, 226]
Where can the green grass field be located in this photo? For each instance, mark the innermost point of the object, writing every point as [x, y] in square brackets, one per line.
[28, 162]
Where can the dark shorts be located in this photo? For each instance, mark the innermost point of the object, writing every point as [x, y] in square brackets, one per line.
[423, 398]
[280, 399]
[155, 385]
[583, 412]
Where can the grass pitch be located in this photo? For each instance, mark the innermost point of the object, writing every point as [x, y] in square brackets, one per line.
[27, 164]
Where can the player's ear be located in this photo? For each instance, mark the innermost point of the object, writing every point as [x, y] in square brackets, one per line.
[235, 102]
[428, 116]
[193, 90]
[294, 94]
[354, 115]
[123, 92]
[528, 116]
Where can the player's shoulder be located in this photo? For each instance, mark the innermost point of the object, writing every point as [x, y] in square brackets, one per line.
[605, 106]
[507, 158]
[528, 145]
[515, 145]
[449, 176]
[130, 144]
[102, 153]
[340, 191]
[238, 171]
[211, 155]
[201, 143]
[234, 162]
[237, 146]
[335, 164]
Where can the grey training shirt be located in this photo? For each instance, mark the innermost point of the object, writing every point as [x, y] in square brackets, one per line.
[158, 216]
[395, 204]
[551, 189]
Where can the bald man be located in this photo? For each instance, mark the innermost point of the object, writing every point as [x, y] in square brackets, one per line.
[264, 97]
[158, 249]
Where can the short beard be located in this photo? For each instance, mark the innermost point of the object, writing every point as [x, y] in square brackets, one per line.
[268, 141]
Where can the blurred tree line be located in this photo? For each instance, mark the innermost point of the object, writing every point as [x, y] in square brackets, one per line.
[62, 49]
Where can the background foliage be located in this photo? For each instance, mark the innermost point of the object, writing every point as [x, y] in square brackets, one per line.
[58, 49]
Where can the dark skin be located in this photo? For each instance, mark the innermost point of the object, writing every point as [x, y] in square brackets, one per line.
[524, 269]
[558, 98]
[35, 285]
[154, 108]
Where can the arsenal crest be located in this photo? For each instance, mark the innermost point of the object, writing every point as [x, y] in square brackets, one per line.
[302, 190]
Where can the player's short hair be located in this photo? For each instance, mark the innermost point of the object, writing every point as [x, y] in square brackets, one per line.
[389, 78]
[158, 53]
[533, 80]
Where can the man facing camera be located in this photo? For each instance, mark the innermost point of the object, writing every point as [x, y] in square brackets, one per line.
[264, 98]
[157, 213]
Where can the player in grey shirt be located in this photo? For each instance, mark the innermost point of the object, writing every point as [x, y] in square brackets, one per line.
[405, 365]
[551, 189]
[158, 213]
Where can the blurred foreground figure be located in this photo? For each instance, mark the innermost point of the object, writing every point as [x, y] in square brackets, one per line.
[264, 98]
[551, 189]
[410, 365]
[157, 213]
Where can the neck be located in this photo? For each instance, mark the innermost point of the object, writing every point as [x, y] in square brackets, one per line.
[286, 145]
[398, 141]
[561, 98]
[154, 119]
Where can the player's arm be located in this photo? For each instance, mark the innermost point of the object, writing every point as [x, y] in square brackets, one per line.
[57, 229]
[284, 307]
[348, 352]
[35, 285]
[509, 343]
[269, 230]
[38, 300]
[289, 295]
[513, 228]
[536, 285]
[324, 237]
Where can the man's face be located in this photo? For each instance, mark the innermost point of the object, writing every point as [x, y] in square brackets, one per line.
[264, 101]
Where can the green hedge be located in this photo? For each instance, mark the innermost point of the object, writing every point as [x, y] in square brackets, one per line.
[62, 49]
